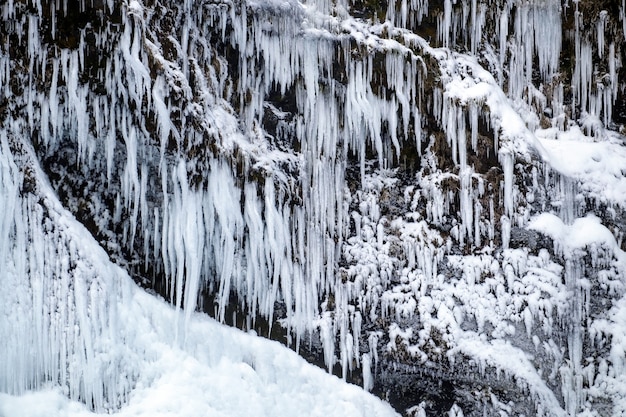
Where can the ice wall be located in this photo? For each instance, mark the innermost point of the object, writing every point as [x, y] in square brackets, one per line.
[222, 137]
[61, 305]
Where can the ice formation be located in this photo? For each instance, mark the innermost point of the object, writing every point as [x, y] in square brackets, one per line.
[253, 156]
[81, 330]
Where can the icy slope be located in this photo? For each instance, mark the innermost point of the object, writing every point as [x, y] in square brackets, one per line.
[73, 324]
[219, 372]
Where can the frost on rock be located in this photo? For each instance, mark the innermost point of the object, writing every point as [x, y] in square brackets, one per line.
[395, 190]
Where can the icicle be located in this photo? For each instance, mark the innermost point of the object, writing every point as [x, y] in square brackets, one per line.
[445, 24]
[507, 161]
[622, 12]
[64, 299]
[478, 21]
[503, 32]
[601, 28]
[568, 211]
[547, 32]
[368, 380]
[582, 78]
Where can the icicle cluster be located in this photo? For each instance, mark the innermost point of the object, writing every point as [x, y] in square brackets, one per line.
[59, 309]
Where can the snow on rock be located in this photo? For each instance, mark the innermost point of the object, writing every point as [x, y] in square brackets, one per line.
[597, 164]
[583, 232]
[587, 236]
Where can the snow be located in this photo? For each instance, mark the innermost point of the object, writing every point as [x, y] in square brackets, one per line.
[597, 164]
[221, 372]
[583, 232]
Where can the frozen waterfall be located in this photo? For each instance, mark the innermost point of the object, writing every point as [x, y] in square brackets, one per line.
[421, 188]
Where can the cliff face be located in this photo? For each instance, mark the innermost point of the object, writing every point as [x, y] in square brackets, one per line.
[426, 197]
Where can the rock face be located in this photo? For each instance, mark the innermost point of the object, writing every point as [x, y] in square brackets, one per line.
[426, 197]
